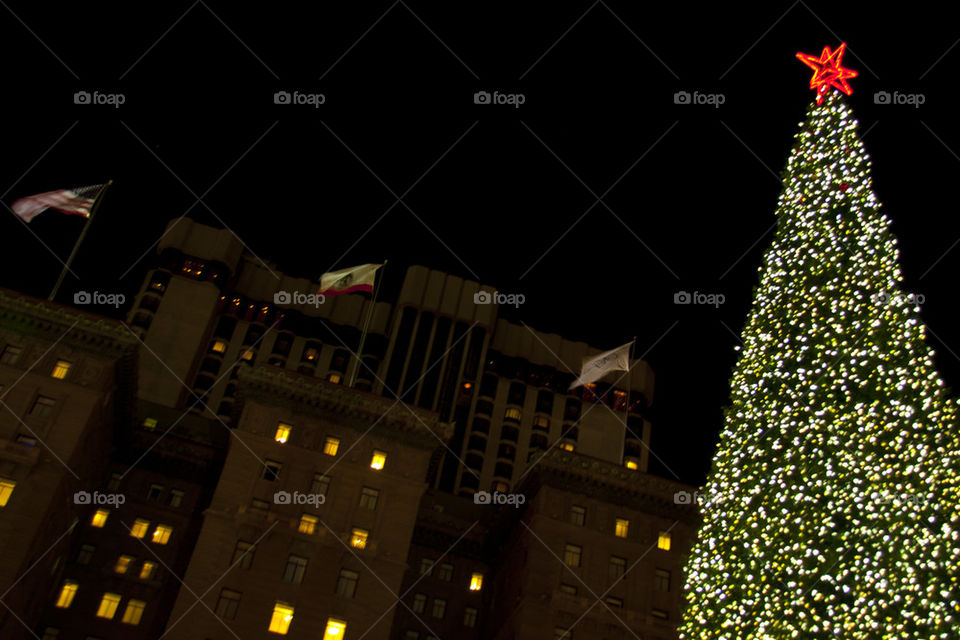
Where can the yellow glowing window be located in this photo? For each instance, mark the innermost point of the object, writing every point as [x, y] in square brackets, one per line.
[334, 378]
[99, 518]
[358, 538]
[139, 528]
[378, 460]
[476, 582]
[161, 535]
[67, 592]
[621, 527]
[108, 605]
[149, 424]
[6, 490]
[308, 524]
[335, 629]
[146, 571]
[60, 369]
[123, 564]
[512, 414]
[281, 618]
[283, 433]
[630, 463]
[218, 346]
[663, 542]
[331, 446]
[247, 355]
[566, 446]
[134, 611]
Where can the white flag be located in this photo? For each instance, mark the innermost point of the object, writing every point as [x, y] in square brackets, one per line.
[595, 367]
[350, 280]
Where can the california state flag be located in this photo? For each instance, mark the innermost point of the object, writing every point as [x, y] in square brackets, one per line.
[352, 280]
[597, 366]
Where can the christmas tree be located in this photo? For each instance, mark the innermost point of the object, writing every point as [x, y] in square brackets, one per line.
[830, 510]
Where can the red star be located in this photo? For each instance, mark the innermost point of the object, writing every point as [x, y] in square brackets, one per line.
[827, 71]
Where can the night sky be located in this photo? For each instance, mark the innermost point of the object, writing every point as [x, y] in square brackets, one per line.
[598, 198]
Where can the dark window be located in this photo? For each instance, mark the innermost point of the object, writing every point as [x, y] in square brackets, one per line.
[572, 411]
[445, 572]
[85, 554]
[503, 470]
[417, 355]
[507, 451]
[469, 617]
[517, 393]
[618, 566]
[572, 554]
[320, 484]
[661, 580]
[419, 603]
[347, 583]
[42, 407]
[228, 604]
[154, 492]
[568, 588]
[488, 385]
[243, 555]
[368, 498]
[577, 515]
[401, 344]
[545, 401]
[10, 354]
[481, 425]
[271, 469]
[339, 361]
[296, 567]
[426, 566]
[659, 613]
[439, 608]
[477, 442]
[614, 602]
[175, 498]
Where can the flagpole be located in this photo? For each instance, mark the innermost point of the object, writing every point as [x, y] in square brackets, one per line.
[76, 246]
[366, 325]
[626, 410]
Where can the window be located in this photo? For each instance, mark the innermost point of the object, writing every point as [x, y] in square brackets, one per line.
[631, 463]
[67, 592]
[219, 346]
[114, 483]
[10, 354]
[659, 613]
[296, 567]
[123, 563]
[476, 582]
[175, 498]
[541, 423]
[334, 378]
[358, 538]
[42, 407]
[27, 441]
[227, 604]
[308, 524]
[108, 605]
[571, 555]
[50, 633]
[147, 569]
[410, 634]
[100, 518]
[562, 634]
[661, 580]
[257, 503]
[566, 445]
[242, 555]
[577, 515]
[569, 589]
[85, 555]
[512, 414]
[469, 617]
[663, 541]
[335, 630]
[426, 566]
[154, 493]
[347, 583]
[378, 459]
[161, 535]
[281, 618]
[445, 572]
[133, 612]
[271, 469]
[320, 484]
[149, 424]
[368, 498]
[60, 369]
[617, 567]
[6, 490]
[614, 602]
[439, 608]
[331, 446]
[621, 527]
[283, 433]
[419, 603]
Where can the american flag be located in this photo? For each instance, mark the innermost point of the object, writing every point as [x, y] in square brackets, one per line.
[72, 201]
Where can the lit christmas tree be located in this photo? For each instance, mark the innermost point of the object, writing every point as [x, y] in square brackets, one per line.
[830, 510]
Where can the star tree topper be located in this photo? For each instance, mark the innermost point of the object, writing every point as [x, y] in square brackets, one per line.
[827, 71]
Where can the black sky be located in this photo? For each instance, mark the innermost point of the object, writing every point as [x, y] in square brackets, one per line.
[501, 194]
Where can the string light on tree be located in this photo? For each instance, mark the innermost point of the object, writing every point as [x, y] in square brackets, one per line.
[832, 502]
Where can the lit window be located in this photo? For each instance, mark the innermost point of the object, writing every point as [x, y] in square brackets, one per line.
[283, 433]
[331, 446]
[175, 498]
[108, 605]
[334, 378]
[67, 592]
[296, 568]
[161, 535]
[469, 617]
[42, 407]
[247, 355]
[542, 423]
[139, 528]
[661, 580]
[577, 515]
[512, 414]
[663, 542]
[631, 463]
[614, 602]
[358, 538]
[308, 524]
[621, 527]
[60, 369]
[347, 583]
[368, 498]
[133, 612]
[571, 555]
[445, 572]
[281, 618]
[378, 460]
[123, 563]
[566, 445]
[617, 567]
[227, 604]
[6, 490]
[335, 629]
[149, 424]
[476, 582]
[146, 571]
[310, 354]
[218, 346]
[99, 518]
